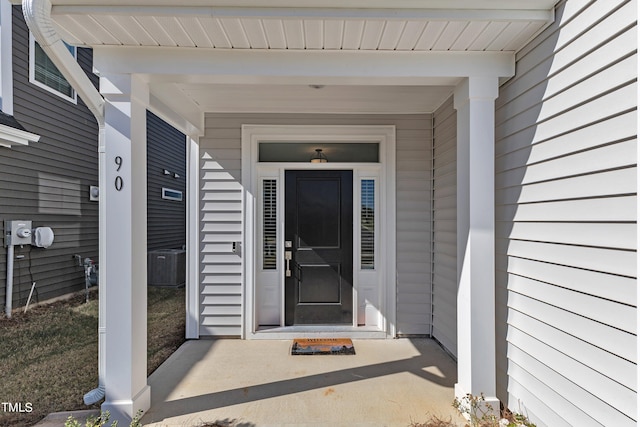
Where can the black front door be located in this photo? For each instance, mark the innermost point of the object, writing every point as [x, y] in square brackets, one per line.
[319, 225]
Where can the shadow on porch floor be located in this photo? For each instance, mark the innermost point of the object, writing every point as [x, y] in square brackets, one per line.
[258, 383]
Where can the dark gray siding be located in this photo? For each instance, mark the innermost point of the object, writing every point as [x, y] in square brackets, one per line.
[166, 149]
[48, 181]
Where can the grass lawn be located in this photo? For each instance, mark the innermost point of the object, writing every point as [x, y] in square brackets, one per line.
[49, 356]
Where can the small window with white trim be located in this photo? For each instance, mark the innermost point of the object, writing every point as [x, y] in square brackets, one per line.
[44, 73]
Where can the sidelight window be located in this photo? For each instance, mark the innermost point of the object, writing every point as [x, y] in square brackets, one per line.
[269, 224]
[367, 224]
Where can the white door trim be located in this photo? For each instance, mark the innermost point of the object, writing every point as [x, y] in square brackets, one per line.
[385, 135]
[192, 327]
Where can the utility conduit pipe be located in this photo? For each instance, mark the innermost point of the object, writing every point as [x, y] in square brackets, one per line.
[9, 302]
[37, 14]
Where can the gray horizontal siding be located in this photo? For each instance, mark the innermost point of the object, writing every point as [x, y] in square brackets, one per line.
[414, 142]
[220, 193]
[445, 284]
[166, 149]
[48, 181]
[566, 220]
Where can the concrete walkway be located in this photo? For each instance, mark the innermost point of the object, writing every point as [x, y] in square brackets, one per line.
[58, 419]
[258, 383]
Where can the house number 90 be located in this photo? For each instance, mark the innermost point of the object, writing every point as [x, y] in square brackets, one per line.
[118, 182]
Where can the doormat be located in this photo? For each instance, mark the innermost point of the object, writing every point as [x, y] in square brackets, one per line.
[312, 346]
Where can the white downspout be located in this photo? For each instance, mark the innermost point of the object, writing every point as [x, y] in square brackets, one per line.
[37, 14]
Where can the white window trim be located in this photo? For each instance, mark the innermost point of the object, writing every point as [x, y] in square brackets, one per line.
[193, 238]
[252, 135]
[32, 73]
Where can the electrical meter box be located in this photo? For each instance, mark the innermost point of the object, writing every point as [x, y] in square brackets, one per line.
[166, 267]
[18, 232]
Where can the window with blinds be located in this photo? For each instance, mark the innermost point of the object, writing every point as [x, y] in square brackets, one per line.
[269, 223]
[367, 224]
[44, 73]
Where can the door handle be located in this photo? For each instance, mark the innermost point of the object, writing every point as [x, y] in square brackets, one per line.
[287, 260]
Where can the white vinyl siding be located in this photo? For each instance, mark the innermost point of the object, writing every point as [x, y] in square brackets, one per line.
[220, 228]
[413, 186]
[221, 214]
[445, 283]
[566, 220]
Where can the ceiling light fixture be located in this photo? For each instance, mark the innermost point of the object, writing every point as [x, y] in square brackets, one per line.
[319, 157]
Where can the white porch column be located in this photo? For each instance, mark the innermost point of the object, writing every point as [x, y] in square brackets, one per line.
[474, 100]
[123, 257]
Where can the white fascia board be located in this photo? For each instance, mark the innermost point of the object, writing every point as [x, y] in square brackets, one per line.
[244, 65]
[358, 4]
[296, 12]
[189, 120]
[11, 136]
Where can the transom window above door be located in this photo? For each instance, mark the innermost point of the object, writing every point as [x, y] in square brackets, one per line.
[321, 152]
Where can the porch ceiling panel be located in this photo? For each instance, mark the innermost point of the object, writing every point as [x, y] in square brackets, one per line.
[305, 99]
[301, 28]
[372, 56]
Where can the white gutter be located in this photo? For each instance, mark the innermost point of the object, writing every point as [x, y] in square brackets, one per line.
[296, 10]
[37, 14]
[11, 136]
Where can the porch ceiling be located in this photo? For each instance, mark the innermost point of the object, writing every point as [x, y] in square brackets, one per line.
[291, 44]
[483, 25]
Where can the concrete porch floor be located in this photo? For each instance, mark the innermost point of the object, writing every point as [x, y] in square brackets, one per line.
[258, 383]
